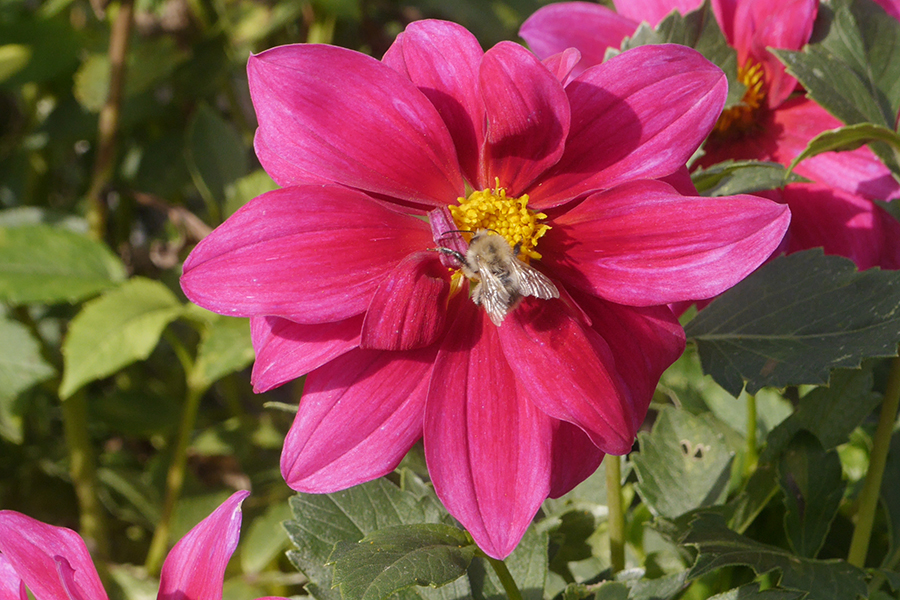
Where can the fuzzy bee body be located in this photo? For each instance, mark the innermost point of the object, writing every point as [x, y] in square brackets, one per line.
[502, 279]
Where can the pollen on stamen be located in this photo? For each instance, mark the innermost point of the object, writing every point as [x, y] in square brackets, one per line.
[509, 217]
[744, 116]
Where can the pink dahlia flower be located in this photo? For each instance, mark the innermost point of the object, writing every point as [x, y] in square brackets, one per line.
[341, 278]
[771, 123]
[54, 563]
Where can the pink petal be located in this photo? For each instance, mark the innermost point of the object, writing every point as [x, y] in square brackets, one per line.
[643, 244]
[409, 308]
[843, 224]
[589, 27]
[563, 64]
[575, 458]
[488, 449]
[359, 416]
[195, 567]
[620, 129]
[785, 24]
[527, 117]
[859, 171]
[286, 350]
[892, 7]
[569, 372]
[334, 112]
[645, 341]
[11, 586]
[654, 11]
[310, 253]
[442, 60]
[34, 549]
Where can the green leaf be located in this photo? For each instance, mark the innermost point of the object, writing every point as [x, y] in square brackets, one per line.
[742, 177]
[41, 264]
[699, 30]
[394, 558]
[672, 482]
[323, 520]
[852, 68]
[265, 539]
[120, 327]
[810, 480]
[751, 592]
[224, 349]
[720, 547]
[796, 318]
[13, 58]
[850, 137]
[246, 189]
[215, 152]
[21, 367]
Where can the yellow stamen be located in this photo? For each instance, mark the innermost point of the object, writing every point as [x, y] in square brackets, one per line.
[509, 217]
[743, 116]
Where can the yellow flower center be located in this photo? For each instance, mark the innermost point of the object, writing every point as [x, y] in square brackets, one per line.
[509, 217]
[743, 116]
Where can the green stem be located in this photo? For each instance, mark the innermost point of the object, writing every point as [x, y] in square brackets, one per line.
[868, 498]
[159, 545]
[506, 579]
[108, 122]
[83, 470]
[751, 454]
[616, 517]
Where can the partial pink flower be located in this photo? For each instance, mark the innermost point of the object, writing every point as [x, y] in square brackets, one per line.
[772, 123]
[341, 275]
[54, 563]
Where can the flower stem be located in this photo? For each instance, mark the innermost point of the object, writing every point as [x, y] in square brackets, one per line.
[751, 454]
[506, 579]
[108, 122]
[175, 476]
[868, 498]
[616, 517]
[83, 470]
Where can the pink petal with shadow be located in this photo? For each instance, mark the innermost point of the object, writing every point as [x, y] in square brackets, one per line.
[589, 27]
[621, 131]
[195, 567]
[654, 11]
[286, 350]
[11, 585]
[359, 415]
[575, 458]
[410, 306]
[442, 59]
[527, 117]
[643, 244]
[311, 254]
[488, 449]
[353, 120]
[34, 550]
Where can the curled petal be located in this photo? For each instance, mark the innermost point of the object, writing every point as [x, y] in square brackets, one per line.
[643, 244]
[359, 415]
[286, 350]
[488, 449]
[621, 131]
[527, 117]
[11, 585]
[53, 561]
[195, 567]
[442, 60]
[761, 24]
[562, 64]
[408, 310]
[589, 27]
[352, 120]
[569, 372]
[575, 458]
[310, 253]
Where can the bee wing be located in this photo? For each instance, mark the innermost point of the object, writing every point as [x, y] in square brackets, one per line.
[534, 283]
[491, 293]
